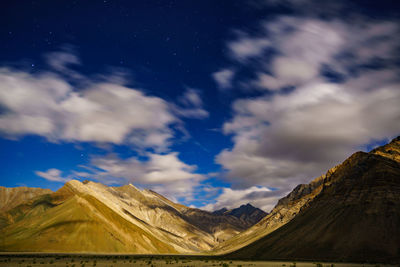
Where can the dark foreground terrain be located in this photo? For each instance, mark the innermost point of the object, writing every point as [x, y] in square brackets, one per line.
[87, 260]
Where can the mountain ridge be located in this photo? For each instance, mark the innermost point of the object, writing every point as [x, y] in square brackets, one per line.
[351, 213]
[354, 215]
[245, 212]
[162, 225]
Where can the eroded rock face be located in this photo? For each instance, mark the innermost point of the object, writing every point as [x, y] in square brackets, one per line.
[352, 215]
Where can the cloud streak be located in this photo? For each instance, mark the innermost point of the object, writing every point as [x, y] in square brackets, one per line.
[191, 105]
[339, 100]
[53, 175]
[224, 78]
[79, 109]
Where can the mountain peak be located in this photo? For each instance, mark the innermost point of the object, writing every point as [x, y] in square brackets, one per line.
[248, 205]
[245, 212]
[248, 210]
[134, 187]
[220, 211]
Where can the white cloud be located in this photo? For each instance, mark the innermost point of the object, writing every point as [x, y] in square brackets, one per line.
[282, 139]
[159, 168]
[304, 45]
[65, 106]
[224, 78]
[248, 47]
[287, 139]
[261, 197]
[53, 175]
[60, 60]
[110, 113]
[192, 105]
[99, 111]
[191, 97]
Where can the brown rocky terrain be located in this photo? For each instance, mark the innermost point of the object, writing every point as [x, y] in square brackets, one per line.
[351, 214]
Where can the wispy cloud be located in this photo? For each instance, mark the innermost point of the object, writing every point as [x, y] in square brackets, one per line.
[339, 99]
[246, 47]
[53, 175]
[191, 105]
[224, 78]
[82, 109]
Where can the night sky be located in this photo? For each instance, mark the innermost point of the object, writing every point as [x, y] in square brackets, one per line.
[210, 103]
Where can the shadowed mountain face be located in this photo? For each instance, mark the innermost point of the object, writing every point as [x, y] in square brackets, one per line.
[352, 214]
[285, 210]
[247, 213]
[91, 217]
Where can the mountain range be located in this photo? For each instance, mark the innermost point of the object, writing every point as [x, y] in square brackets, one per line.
[247, 213]
[92, 217]
[351, 213]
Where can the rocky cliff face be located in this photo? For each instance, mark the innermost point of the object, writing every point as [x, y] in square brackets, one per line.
[352, 214]
[93, 217]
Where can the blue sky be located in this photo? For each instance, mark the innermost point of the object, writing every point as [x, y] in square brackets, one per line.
[211, 103]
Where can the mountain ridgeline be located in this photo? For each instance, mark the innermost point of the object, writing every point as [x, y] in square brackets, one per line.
[92, 217]
[247, 213]
[351, 213]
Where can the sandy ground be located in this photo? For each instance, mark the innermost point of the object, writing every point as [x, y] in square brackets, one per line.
[172, 261]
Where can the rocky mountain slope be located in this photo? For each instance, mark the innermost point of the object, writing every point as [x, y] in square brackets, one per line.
[12, 197]
[352, 214]
[284, 211]
[247, 213]
[92, 217]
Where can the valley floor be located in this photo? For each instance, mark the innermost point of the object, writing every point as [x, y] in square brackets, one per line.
[64, 260]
